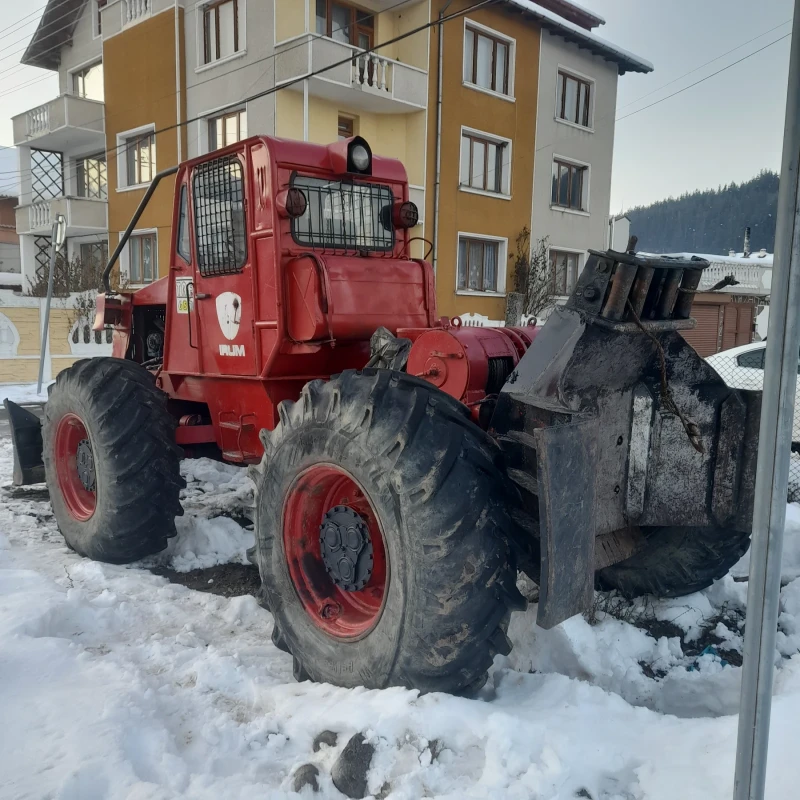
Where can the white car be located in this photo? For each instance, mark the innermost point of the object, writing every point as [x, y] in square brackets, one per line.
[743, 368]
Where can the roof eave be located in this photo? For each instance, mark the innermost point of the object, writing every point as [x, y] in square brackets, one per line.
[54, 31]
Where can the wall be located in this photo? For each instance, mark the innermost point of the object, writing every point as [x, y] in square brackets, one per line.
[84, 48]
[574, 231]
[20, 338]
[210, 87]
[140, 90]
[461, 105]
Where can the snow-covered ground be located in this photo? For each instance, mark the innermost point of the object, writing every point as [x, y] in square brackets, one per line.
[115, 683]
[23, 392]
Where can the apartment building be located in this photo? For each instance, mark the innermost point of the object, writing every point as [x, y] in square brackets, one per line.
[494, 134]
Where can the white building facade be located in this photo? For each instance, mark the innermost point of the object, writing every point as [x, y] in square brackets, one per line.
[574, 153]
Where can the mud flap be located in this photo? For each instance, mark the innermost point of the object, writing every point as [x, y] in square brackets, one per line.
[26, 437]
[566, 459]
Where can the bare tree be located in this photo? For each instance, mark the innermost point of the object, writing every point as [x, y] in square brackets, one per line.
[532, 276]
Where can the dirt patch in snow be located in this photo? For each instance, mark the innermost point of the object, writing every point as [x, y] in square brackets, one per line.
[226, 580]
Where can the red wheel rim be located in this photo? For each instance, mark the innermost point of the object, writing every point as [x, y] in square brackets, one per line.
[72, 437]
[340, 613]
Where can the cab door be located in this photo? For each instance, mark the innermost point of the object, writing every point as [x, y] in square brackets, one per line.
[224, 288]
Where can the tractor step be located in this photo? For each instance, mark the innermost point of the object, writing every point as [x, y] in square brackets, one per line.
[26, 438]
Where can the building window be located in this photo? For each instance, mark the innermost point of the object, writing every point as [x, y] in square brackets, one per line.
[90, 174]
[487, 60]
[94, 254]
[479, 265]
[485, 163]
[140, 159]
[227, 129]
[98, 19]
[221, 35]
[143, 258]
[346, 127]
[574, 100]
[345, 23]
[88, 82]
[564, 269]
[569, 185]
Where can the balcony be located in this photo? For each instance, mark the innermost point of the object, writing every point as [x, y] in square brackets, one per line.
[84, 215]
[68, 124]
[754, 277]
[367, 81]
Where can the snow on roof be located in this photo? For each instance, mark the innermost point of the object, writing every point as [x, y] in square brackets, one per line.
[584, 10]
[755, 258]
[628, 62]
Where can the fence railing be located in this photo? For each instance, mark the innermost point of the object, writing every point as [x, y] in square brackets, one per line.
[37, 120]
[745, 370]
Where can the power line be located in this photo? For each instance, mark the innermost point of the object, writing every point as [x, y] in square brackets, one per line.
[692, 71]
[272, 90]
[707, 77]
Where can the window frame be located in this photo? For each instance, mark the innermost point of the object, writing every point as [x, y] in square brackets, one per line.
[81, 183]
[355, 26]
[350, 124]
[97, 24]
[80, 72]
[502, 264]
[203, 33]
[211, 121]
[122, 156]
[560, 104]
[505, 172]
[144, 233]
[497, 37]
[584, 170]
[567, 251]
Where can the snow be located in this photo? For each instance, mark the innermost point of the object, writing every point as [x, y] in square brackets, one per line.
[592, 41]
[23, 392]
[115, 683]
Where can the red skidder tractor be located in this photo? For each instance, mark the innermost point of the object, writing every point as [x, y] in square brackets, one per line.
[405, 467]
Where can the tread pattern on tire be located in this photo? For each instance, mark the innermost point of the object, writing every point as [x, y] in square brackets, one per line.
[133, 437]
[456, 622]
[676, 561]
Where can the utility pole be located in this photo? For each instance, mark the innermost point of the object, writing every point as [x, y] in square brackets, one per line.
[777, 410]
[57, 237]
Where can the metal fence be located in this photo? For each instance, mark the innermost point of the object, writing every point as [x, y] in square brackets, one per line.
[743, 368]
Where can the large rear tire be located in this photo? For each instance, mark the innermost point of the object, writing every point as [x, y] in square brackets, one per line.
[396, 465]
[111, 462]
[676, 561]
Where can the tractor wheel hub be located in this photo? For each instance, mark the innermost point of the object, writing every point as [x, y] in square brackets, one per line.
[346, 548]
[85, 465]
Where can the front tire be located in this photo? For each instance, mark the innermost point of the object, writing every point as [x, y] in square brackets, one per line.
[676, 561]
[111, 462]
[426, 602]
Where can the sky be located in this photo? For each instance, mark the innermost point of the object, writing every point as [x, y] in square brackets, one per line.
[725, 129]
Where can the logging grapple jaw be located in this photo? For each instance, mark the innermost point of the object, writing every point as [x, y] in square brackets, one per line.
[612, 425]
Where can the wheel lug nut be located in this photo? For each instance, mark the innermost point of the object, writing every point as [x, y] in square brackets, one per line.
[330, 611]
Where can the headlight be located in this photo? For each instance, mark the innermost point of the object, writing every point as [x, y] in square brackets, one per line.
[360, 158]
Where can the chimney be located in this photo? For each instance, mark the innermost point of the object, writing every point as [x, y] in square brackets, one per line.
[746, 252]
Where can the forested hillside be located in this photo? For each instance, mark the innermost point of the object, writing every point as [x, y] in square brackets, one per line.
[711, 221]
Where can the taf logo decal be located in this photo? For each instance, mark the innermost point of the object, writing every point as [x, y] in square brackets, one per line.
[229, 314]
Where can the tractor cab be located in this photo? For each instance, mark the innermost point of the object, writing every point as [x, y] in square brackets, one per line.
[286, 257]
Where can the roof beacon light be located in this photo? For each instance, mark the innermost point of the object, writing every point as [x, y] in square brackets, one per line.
[359, 156]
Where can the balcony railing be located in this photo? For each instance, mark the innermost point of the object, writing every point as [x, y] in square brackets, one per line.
[136, 10]
[84, 216]
[40, 215]
[37, 120]
[750, 277]
[380, 83]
